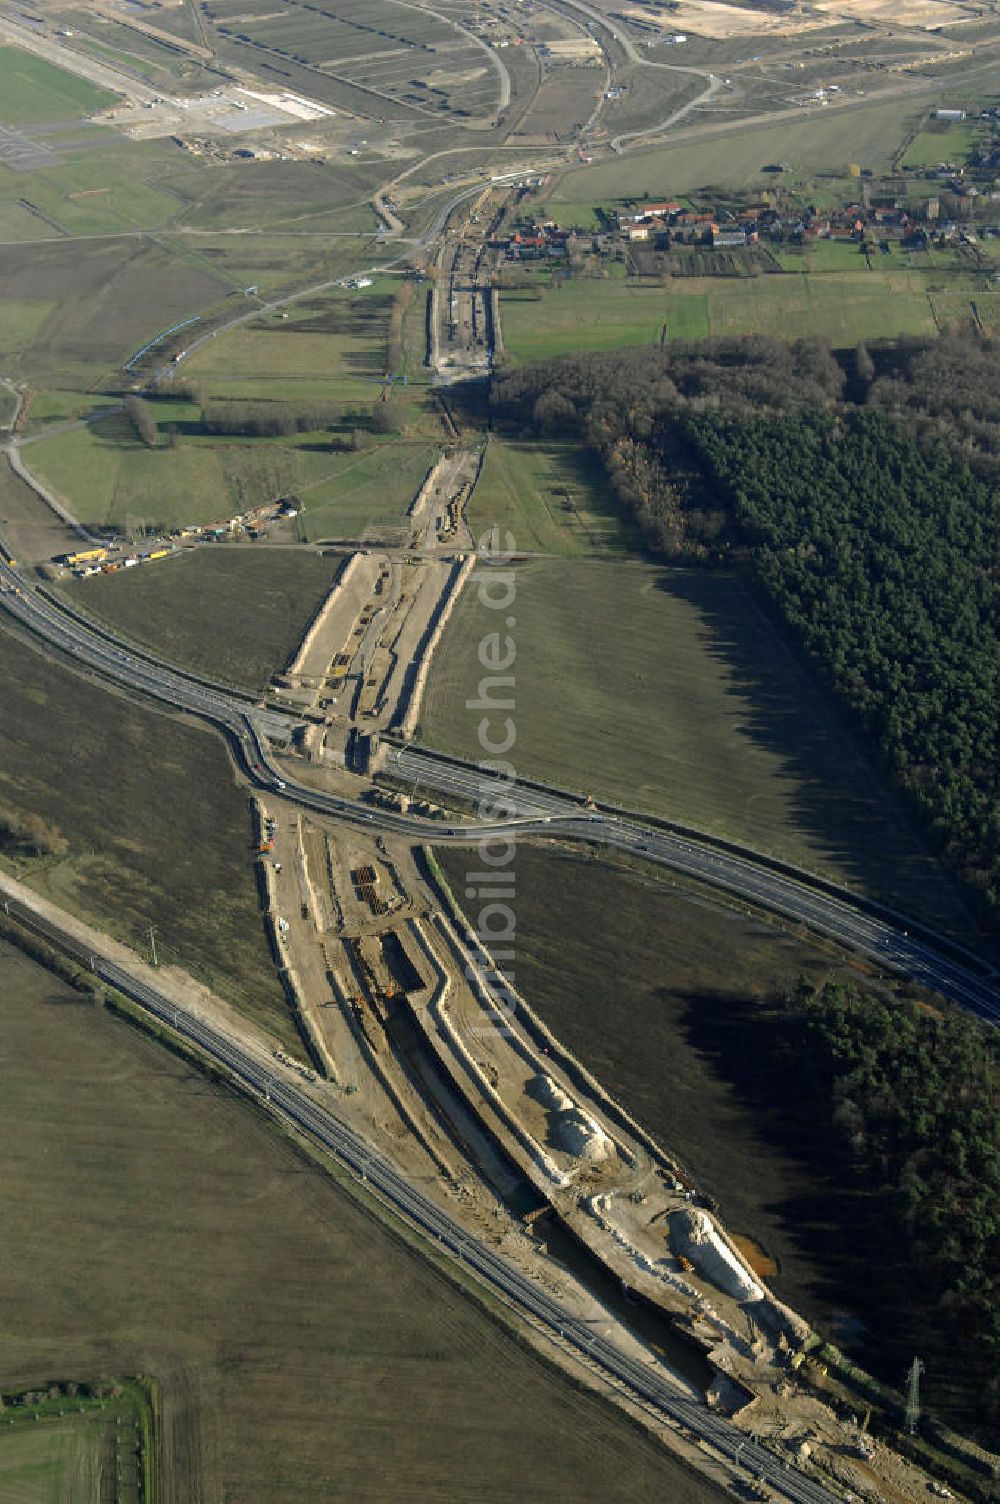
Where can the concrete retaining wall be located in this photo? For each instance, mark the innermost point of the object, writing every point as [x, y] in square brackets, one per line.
[320, 619]
[408, 725]
[299, 1001]
[537, 1159]
[430, 481]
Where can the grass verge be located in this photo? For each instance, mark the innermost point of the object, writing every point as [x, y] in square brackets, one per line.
[551, 496]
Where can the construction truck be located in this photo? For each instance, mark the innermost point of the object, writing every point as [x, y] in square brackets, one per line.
[84, 556]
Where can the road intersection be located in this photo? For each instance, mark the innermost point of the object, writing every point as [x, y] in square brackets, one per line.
[893, 941]
[897, 943]
[529, 812]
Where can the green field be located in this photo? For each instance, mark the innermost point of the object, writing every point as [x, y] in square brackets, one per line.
[270, 260]
[337, 339]
[551, 496]
[32, 91]
[367, 493]
[157, 831]
[60, 1441]
[332, 347]
[352, 359]
[290, 211]
[20, 323]
[18, 223]
[106, 476]
[49, 408]
[956, 310]
[301, 1352]
[72, 311]
[820, 256]
[670, 691]
[842, 306]
[837, 256]
[52, 1463]
[234, 614]
[91, 192]
[586, 314]
[735, 157]
[255, 195]
[581, 216]
[953, 143]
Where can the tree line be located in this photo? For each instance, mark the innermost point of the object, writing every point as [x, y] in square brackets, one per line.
[26, 834]
[881, 554]
[907, 1100]
[236, 418]
[267, 419]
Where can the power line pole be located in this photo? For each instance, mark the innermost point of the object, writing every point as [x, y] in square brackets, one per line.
[152, 943]
[913, 1397]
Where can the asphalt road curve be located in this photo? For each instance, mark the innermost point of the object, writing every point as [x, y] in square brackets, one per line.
[520, 811]
[888, 940]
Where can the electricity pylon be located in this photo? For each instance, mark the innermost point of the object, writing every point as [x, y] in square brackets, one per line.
[913, 1396]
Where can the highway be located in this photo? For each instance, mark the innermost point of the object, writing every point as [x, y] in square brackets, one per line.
[893, 943]
[519, 812]
[516, 812]
[104, 654]
[645, 1381]
[890, 940]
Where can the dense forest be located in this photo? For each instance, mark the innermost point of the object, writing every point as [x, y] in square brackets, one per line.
[949, 387]
[908, 1100]
[872, 528]
[883, 558]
